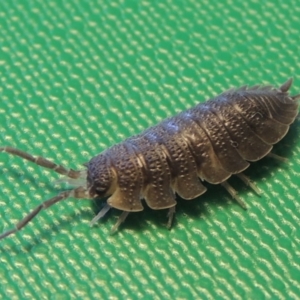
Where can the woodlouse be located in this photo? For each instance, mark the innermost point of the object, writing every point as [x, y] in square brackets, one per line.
[210, 141]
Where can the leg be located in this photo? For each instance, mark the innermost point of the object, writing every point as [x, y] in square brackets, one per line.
[248, 182]
[171, 213]
[43, 162]
[275, 156]
[79, 192]
[101, 214]
[121, 219]
[233, 193]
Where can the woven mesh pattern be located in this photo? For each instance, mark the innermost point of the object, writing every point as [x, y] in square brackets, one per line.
[78, 76]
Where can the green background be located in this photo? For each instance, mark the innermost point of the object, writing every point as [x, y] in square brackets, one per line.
[77, 77]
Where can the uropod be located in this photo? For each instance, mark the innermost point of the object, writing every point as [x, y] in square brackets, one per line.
[209, 142]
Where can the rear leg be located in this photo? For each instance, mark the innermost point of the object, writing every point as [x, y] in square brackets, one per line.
[233, 194]
[43, 162]
[79, 193]
[247, 180]
[275, 156]
[249, 183]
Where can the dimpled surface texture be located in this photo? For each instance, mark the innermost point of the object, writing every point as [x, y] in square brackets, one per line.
[79, 76]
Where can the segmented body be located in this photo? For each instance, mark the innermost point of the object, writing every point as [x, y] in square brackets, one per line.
[210, 141]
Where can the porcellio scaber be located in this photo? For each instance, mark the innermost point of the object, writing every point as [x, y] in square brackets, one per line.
[209, 142]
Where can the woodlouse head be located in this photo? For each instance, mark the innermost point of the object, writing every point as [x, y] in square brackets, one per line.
[100, 178]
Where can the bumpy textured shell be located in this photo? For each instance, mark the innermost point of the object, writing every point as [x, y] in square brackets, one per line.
[210, 141]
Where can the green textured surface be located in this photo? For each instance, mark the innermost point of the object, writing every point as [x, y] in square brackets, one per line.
[80, 76]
